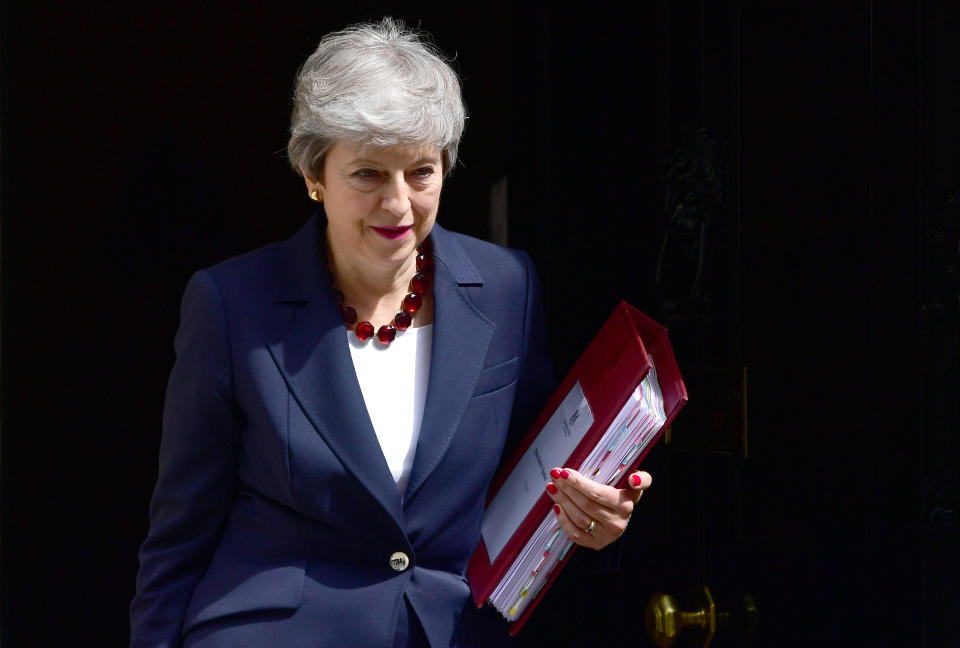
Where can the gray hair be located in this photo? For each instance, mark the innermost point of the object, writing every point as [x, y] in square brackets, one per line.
[377, 84]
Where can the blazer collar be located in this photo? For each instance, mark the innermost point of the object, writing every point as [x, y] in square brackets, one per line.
[461, 336]
[313, 356]
[448, 253]
[305, 262]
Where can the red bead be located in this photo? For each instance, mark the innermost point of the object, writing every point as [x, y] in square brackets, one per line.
[386, 334]
[424, 262]
[403, 320]
[418, 284]
[412, 302]
[349, 315]
[364, 331]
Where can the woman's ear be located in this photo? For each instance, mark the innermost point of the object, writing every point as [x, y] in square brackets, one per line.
[314, 188]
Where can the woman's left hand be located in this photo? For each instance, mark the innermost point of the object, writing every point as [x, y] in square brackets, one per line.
[593, 514]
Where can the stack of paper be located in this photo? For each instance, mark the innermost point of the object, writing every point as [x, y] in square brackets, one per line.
[604, 417]
[634, 427]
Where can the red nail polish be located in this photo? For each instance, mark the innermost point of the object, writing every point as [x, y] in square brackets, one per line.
[635, 480]
[555, 473]
[552, 488]
[565, 473]
[556, 509]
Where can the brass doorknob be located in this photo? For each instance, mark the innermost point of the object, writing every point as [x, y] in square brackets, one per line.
[666, 622]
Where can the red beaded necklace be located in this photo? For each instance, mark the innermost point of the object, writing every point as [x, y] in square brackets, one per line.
[412, 303]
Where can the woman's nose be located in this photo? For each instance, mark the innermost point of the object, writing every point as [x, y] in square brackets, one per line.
[396, 196]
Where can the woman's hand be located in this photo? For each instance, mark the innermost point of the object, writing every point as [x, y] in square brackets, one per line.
[593, 514]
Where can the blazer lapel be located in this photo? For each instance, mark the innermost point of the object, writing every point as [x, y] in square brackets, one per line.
[461, 335]
[313, 357]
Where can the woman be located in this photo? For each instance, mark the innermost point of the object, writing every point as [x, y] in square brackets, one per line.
[318, 487]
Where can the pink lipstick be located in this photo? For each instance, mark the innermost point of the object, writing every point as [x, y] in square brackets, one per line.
[392, 232]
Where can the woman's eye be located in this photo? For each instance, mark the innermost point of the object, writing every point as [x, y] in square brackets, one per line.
[365, 173]
[424, 172]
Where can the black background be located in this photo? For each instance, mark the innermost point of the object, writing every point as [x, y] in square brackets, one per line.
[142, 142]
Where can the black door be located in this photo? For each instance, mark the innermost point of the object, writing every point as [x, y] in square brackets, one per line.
[776, 182]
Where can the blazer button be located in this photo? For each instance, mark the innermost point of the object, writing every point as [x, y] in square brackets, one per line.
[399, 561]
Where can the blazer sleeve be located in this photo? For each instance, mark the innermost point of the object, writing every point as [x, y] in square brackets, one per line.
[197, 478]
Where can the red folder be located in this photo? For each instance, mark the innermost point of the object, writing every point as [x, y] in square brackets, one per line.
[609, 370]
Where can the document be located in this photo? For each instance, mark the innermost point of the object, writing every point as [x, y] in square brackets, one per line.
[607, 413]
[634, 427]
[558, 438]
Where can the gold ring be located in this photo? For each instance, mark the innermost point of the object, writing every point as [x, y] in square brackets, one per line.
[591, 527]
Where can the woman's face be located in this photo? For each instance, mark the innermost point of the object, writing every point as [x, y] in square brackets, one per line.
[381, 202]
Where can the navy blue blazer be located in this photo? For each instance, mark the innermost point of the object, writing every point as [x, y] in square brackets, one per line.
[274, 515]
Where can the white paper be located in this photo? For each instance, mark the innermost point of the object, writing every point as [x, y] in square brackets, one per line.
[635, 425]
[552, 447]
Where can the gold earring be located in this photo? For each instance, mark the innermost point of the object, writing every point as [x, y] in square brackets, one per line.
[315, 195]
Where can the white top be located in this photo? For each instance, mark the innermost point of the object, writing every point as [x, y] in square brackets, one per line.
[393, 380]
